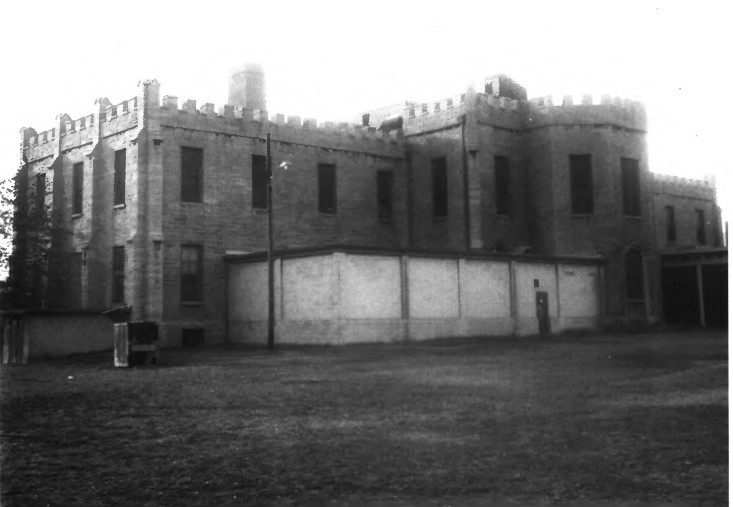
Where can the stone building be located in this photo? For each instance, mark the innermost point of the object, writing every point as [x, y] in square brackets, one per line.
[147, 197]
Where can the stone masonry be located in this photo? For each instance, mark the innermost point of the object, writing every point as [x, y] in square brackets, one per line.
[471, 131]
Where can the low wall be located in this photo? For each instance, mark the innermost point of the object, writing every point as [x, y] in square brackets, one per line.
[41, 335]
[344, 297]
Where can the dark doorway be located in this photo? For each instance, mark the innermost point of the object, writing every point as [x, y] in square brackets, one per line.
[715, 295]
[543, 314]
[679, 295]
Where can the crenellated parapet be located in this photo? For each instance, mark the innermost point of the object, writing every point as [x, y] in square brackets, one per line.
[436, 114]
[685, 187]
[502, 112]
[237, 120]
[70, 133]
[586, 110]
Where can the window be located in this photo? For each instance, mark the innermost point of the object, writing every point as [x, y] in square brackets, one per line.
[700, 226]
[327, 188]
[120, 165]
[41, 191]
[631, 188]
[671, 226]
[118, 274]
[634, 275]
[192, 176]
[440, 188]
[259, 181]
[503, 185]
[581, 185]
[384, 195]
[77, 191]
[192, 273]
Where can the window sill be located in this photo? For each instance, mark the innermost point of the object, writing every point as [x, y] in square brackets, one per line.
[630, 218]
[192, 303]
[119, 206]
[192, 203]
[328, 213]
[75, 215]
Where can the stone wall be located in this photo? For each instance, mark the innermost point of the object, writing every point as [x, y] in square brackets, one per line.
[685, 196]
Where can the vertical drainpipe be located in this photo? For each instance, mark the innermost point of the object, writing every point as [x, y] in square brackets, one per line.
[466, 207]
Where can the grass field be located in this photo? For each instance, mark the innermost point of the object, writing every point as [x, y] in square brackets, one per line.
[595, 419]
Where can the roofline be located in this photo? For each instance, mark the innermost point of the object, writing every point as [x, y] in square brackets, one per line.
[241, 257]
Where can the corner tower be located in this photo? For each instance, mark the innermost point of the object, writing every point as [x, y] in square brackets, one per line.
[247, 87]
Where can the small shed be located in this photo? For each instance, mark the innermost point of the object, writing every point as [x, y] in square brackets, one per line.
[36, 334]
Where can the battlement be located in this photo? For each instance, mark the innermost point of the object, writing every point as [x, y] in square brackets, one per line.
[499, 102]
[585, 100]
[701, 188]
[707, 182]
[126, 109]
[112, 111]
[413, 110]
[42, 137]
[228, 117]
[289, 129]
[586, 109]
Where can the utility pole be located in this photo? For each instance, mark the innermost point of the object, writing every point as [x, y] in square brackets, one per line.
[270, 260]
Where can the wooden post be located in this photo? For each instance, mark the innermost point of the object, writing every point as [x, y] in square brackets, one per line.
[270, 260]
[700, 294]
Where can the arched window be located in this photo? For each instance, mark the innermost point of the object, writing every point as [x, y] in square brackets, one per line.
[634, 275]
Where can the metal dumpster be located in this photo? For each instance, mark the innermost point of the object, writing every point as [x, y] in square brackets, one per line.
[136, 343]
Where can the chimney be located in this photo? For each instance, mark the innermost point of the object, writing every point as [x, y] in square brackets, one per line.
[247, 87]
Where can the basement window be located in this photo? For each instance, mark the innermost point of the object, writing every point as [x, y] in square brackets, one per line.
[440, 187]
[192, 177]
[327, 188]
[120, 168]
[384, 195]
[503, 185]
[259, 181]
[193, 337]
[581, 185]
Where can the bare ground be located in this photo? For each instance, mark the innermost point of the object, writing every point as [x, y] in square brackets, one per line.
[596, 419]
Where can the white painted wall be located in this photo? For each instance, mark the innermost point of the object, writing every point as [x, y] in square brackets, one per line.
[578, 291]
[248, 291]
[344, 298]
[309, 288]
[485, 291]
[526, 273]
[370, 287]
[433, 288]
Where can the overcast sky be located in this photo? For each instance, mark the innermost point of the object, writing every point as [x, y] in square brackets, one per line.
[334, 59]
